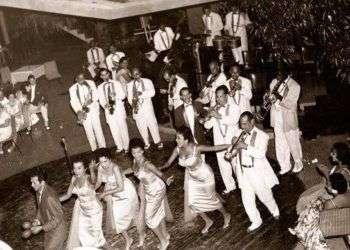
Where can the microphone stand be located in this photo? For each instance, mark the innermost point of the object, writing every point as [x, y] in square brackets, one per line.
[66, 153]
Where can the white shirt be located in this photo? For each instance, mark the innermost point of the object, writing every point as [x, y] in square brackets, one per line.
[4, 101]
[189, 111]
[163, 40]
[32, 92]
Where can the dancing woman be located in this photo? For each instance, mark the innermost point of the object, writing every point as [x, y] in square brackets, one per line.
[86, 226]
[152, 191]
[120, 194]
[200, 194]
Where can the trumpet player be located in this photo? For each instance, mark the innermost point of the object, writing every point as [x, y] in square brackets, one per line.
[214, 80]
[254, 173]
[240, 89]
[140, 93]
[223, 118]
[112, 60]
[84, 101]
[284, 120]
[111, 97]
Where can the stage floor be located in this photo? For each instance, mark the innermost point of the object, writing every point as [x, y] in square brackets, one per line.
[17, 204]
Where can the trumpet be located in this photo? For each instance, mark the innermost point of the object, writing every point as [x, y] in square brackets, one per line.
[229, 155]
[235, 84]
[208, 85]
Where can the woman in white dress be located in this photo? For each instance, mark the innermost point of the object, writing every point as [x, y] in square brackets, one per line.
[154, 209]
[120, 195]
[5, 127]
[200, 194]
[14, 108]
[86, 226]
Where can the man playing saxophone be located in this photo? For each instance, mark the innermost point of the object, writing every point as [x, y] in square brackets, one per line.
[84, 101]
[284, 120]
[140, 93]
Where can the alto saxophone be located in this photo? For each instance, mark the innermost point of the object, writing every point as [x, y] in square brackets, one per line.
[229, 155]
[267, 102]
[207, 86]
[85, 109]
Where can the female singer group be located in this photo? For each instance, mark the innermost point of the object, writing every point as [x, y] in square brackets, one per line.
[147, 205]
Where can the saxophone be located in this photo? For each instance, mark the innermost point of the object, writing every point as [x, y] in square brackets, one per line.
[136, 102]
[208, 85]
[268, 102]
[85, 109]
[235, 84]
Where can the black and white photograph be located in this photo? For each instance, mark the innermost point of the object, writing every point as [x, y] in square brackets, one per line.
[174, 124]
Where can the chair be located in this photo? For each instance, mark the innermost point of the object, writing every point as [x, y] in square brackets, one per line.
[13, 136]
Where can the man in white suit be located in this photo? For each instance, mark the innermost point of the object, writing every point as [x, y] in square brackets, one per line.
[223, 118]
[254, 173]
[176, 83]
[284, 120]
[214, 80]
[111, 96]
[112, 60]
[235, 24]
[212, 25]
[163, 38]
[84, 101]
[240, 89]
[140, 93]
[96, 58]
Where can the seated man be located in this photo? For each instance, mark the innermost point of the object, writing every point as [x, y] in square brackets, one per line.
[37, 101]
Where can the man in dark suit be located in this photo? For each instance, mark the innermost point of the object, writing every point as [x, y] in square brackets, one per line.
[190, 114]
[50, 216]
[37, 100]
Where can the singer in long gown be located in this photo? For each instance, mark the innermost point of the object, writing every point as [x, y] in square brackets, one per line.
[200, 194]
[86, 225]
[120, 193]
[152, 191]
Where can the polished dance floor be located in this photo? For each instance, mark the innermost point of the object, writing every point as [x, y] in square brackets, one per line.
[17, 204]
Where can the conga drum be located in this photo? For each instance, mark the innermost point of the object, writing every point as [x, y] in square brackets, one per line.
[219, 42]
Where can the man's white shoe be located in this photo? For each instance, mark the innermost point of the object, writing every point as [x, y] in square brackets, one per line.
[297, 168]
[282, 172]
[254, 226]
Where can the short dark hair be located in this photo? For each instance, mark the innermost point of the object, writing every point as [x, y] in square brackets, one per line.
[170, 71]
[184, 89]
[40, 173]
[338, 182]
[235, 65]
[30, 77]
[343, 152]
[186, 133]
[248, 114]
[222, 88]
[136, 143]
[103, 152]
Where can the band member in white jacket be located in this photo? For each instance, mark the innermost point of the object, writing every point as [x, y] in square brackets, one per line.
[254, 173]
[112, 60]
[163, 38]
[111, 96]
[214, 80]
[84, 101]
[235, 24]
[223, 118]
[176, 83]
[212, 25]
[284, 120]
[240, 89]
[96, 58]
[140, 93]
